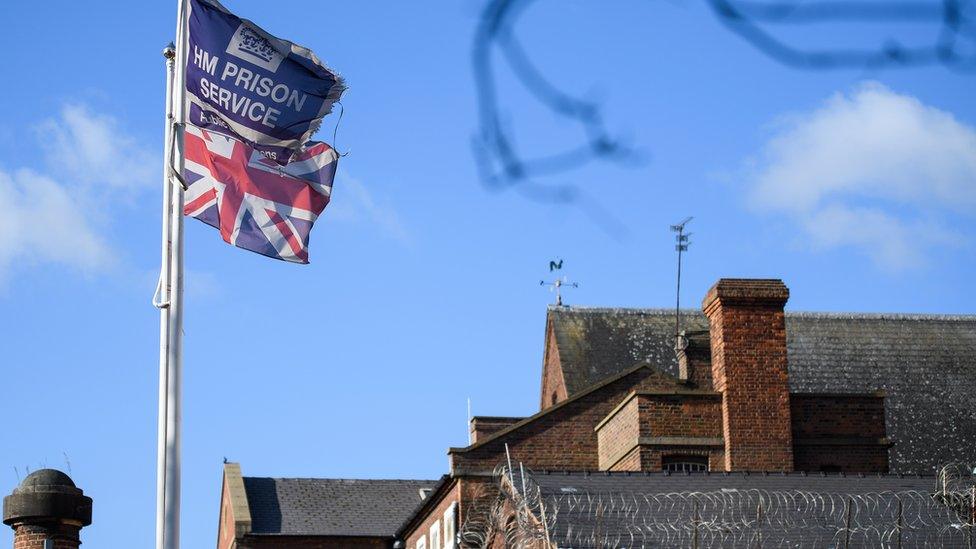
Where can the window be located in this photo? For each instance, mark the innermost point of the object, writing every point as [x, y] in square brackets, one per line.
[450, 526]
[826, 468]
[554, 397]
[435, 535]
[422, 542]
[684, 464]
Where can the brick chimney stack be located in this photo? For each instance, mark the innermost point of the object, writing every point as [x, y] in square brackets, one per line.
[47, 511]
[749, 368]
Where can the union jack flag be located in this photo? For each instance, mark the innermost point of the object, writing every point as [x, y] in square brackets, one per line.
[257, 204]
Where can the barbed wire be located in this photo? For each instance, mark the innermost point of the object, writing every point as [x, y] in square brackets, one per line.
[528, 517]
[502, 164]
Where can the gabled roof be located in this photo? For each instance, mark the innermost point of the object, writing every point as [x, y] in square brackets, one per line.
[616, 376]
[596, 343]
[926, 364]
[331, 507]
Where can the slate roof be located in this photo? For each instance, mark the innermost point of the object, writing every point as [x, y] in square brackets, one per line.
[660, 482]
[331, 507]
[926, 364]
[658, 509]
[596, 343]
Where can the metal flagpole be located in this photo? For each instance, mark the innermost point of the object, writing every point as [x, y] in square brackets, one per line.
[161, 301]
[170, 299]
[174, 404]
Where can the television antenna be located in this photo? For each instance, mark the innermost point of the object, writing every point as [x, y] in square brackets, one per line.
[681, 245]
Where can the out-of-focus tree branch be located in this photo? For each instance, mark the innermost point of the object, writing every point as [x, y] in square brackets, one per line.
[502, 164]
[956, 30]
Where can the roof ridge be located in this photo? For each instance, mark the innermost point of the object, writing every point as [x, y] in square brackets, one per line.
[587, 309]
[345, 479]
[600, 309]
[596, 473]
[882, 316]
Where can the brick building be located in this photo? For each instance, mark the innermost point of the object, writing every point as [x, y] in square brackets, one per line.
[815, 400]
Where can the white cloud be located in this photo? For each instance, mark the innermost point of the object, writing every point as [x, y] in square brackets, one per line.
[352, 201]
[90, 148]
[41, 222]
[888, 240]
[871, 169]
[50, 217]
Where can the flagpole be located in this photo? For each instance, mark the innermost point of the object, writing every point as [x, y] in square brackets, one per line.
[161, 301]
[171, 300]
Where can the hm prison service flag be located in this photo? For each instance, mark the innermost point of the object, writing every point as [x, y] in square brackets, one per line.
[256, 203]
[240, 80]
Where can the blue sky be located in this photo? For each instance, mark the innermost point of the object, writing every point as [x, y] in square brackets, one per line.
[854, 186]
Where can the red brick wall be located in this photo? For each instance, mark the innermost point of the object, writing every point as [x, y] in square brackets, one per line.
[481, 426]
[29, 536]
[225, 524]
[749, 366]
[850, 459]
[475, 496]
[680, 415]
[563, 438]
[837, 415]
[553, 384]
[686, 416]
[697, 359]
[630, 462]
[658, 415]
[819, 420]
[435, 515]
[617, 438]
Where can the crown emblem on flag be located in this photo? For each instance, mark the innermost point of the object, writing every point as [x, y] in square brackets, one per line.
[255, 44]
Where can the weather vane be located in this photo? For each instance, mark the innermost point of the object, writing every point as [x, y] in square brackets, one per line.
[681, 245]
[556, 285]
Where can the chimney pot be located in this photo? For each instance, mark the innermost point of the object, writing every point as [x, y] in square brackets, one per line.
[47, 511]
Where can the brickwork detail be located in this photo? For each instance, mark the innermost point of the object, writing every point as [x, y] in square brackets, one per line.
[646, 421]
[481, 427]
[434, 516]
[32, 536]
[617, 438]
[680, 415]
[843, 433]
[695, 362]
[563, 438]
[846, 459]
[749, 367]
[553, 384]
[632, 461]
[837, 415]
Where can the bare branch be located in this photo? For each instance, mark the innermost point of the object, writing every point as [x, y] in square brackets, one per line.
[503, 165]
